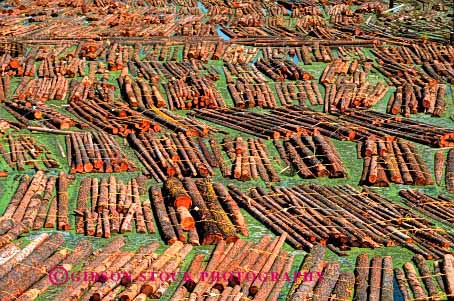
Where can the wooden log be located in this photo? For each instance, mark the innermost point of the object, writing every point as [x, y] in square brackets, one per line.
[387, 290]
[402, 284]
[448, 270]
[62, 200]
[51, 219]
[161, 215]
[362, 277]
[181, 201]
[344, 287]
[226, 200]
[413, 280]
[426, 276]
[439, 166]
[449, 177]
[325, 286]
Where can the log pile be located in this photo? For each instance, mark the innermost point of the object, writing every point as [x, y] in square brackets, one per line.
[108, 205]
[139, 93]
[346, 86]
[396, 162]
[305, 54]
[204, 210]
[231, 262]
[95, 152]
[444, 166]
[280, 70]
[437, 208]
[249, 159]
[411, 99]
[34, 205]
[20, 152]
[342, 217]
[311, 156]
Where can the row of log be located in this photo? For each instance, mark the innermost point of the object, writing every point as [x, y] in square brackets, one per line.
[18, 66]
[311, 156]
[42, 89]
[24, 151]
[232, 261]
[108, 205]
[440, 169]
[437, 208]
[204, 210]
[392, 161]
[342, 217]
[305, 54]
[34, 205]
[249, 160]
[95, 152]
[52, 66]
[139, 93]
[282, 122]
[420, 132]
[410, 99]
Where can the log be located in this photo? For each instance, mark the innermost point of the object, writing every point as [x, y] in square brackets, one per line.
[166, 227]
[362, 277]
[387, 289]
[343, 290]
[325, 286]
[439, 166]
[402, 284]
[413, 280]
[62, 200]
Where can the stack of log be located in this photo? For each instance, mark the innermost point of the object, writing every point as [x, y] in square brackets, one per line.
[114, 118]
[413, 130]
[139, 93]
[24, 151]
[4, 88]
[34, 205]
[439, 168]
[250, 160]
[346, 86]
[42, 89]
[26, 111]
[32, 263]
[411, 99]
[418, 281]
[108, 205]
[342, 217]
[283, 122]
[232, 262]
[134, 270]
[310, 22]
[161, 52]
[118, 56]
[388, 161]
[52, 67]
[343, 15]
[204, 210]
[95, 152]
[311, 156]
[172, 155]
[438, 208]
[280, 70]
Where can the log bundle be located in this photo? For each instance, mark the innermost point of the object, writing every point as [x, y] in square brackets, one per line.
[108, 205]
[346, 86]
[42, 89]
[280, 70]
[139, 92]
[418, 280]
[405, 128]
[171, 154]
[249, 160]
[232, 261]
[197, 212]
[438, 208]
[311, 156]
[282, 122]
[410, 99]
[26, 111]
[342, 217]
[392, 162]
[21, 152]
[95, 152]
[34, 204]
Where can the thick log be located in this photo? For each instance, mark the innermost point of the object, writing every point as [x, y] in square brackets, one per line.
[62, 200]
[343, 290]
[362, 277]
[166, 227]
